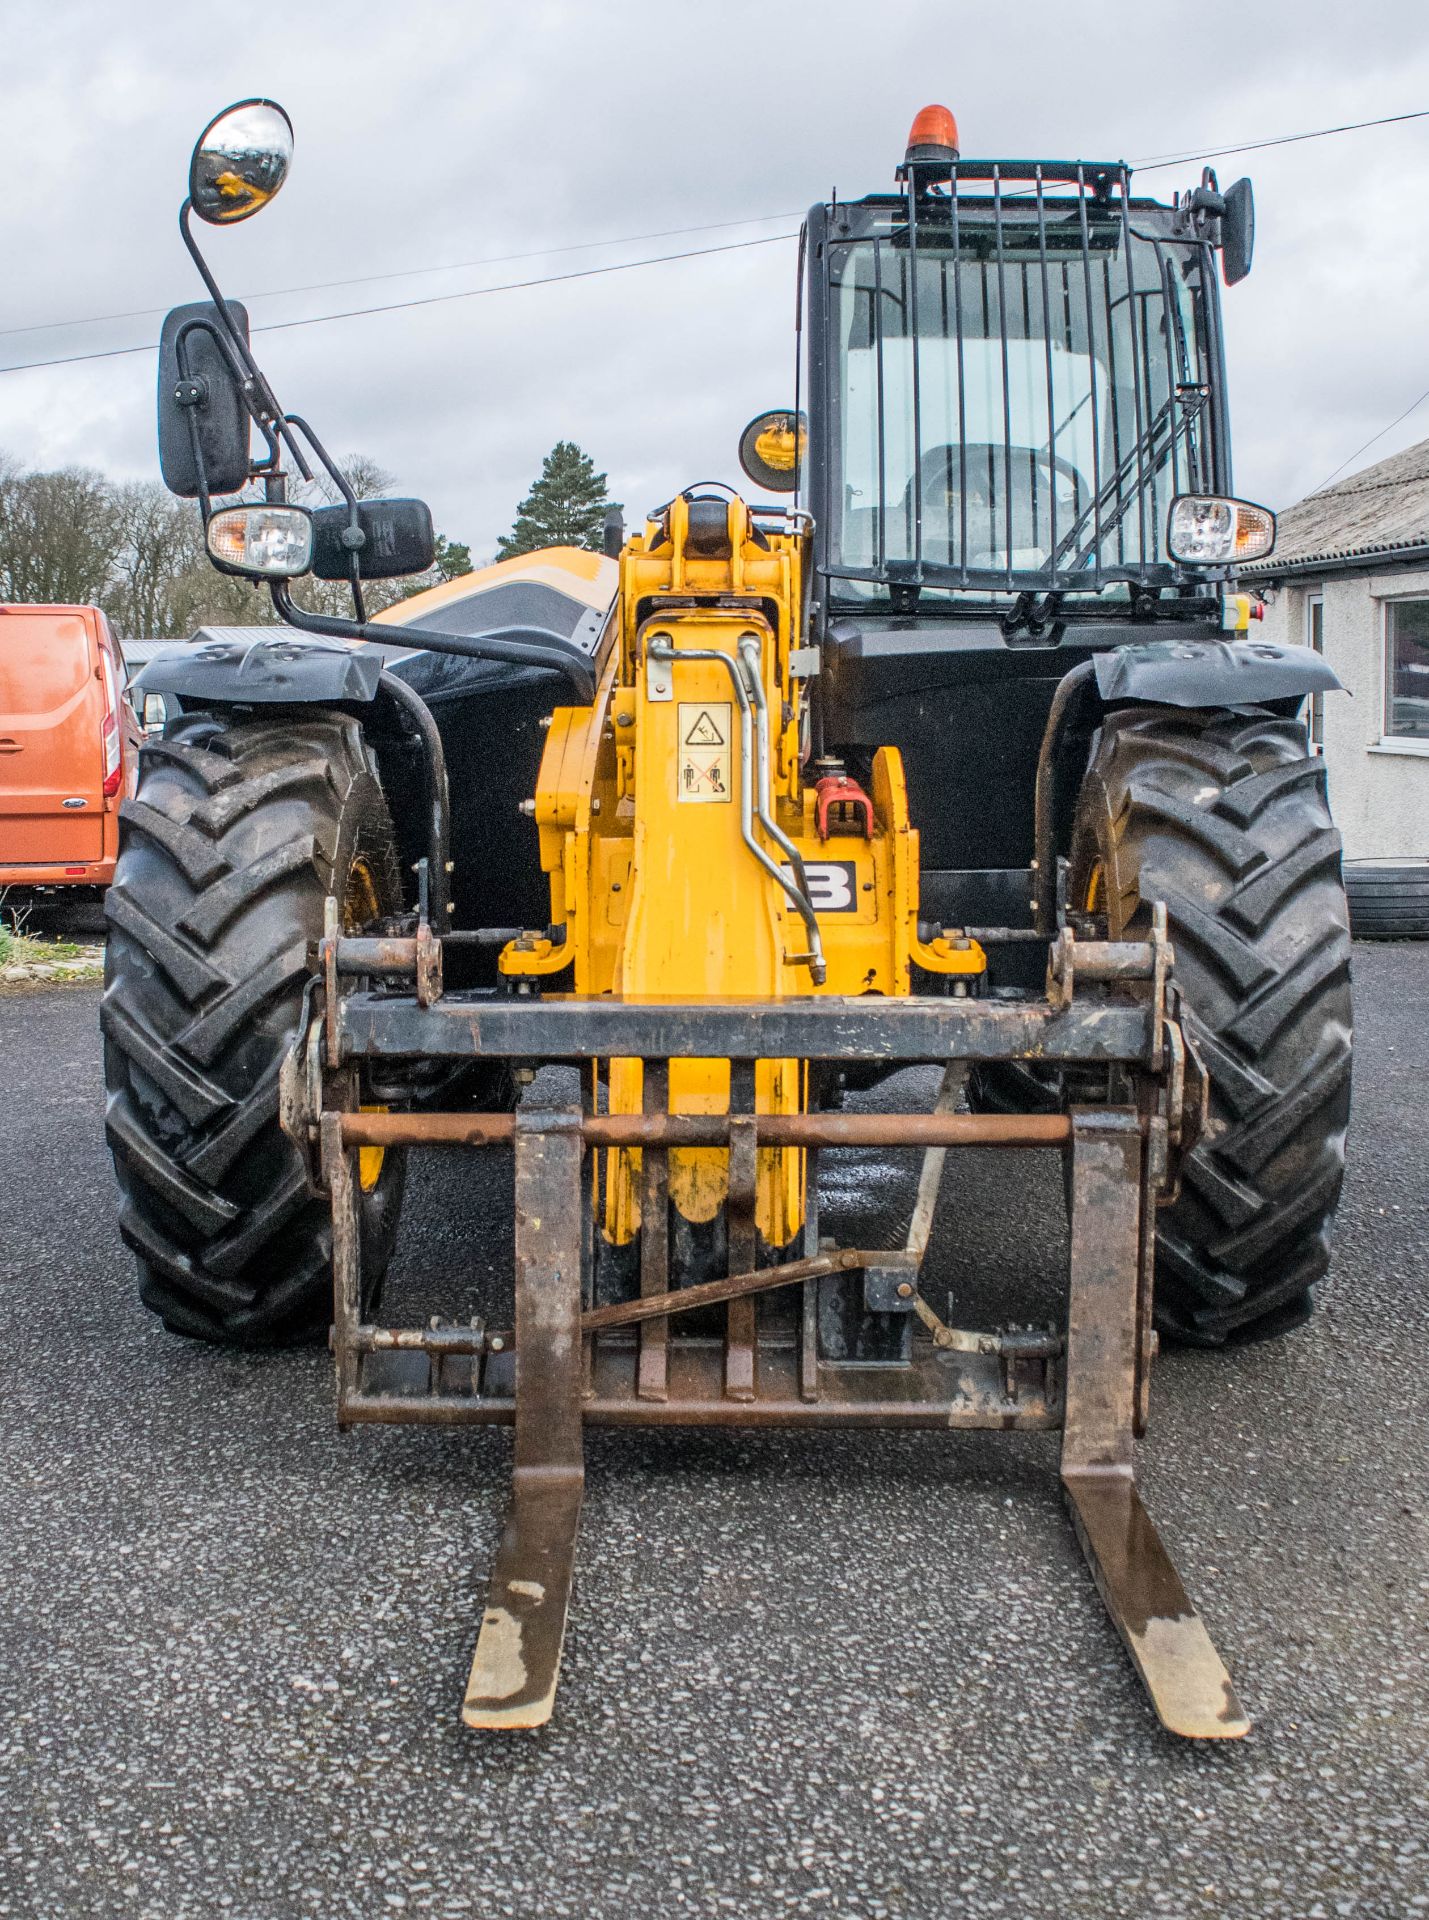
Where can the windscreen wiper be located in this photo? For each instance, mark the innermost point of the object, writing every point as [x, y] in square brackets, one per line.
[1111, 506]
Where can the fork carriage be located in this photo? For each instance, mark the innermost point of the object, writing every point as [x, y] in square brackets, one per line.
[753, 1347]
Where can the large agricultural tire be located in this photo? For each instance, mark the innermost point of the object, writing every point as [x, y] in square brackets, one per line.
[1224, 818]
[227, 853]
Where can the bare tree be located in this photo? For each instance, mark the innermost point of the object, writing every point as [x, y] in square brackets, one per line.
[159, 542]
[163, 585]
[368, 479]
[57, 536]
[203, 597]
[74, 537]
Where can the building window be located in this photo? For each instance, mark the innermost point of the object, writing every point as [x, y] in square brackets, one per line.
[1315, 637]
[1406, 670]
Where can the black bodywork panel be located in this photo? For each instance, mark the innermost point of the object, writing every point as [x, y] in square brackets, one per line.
[967, 711]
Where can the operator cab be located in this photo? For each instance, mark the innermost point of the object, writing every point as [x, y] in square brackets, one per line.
[1012, 434]
[1016, 387]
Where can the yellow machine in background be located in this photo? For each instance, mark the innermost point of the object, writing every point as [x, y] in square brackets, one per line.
[683, 803]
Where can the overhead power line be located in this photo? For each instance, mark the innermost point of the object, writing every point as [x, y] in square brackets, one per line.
[625, 266]
[1280, 140]
[411, 273]
[1413, 407]
[429, 300]
[1156, 162]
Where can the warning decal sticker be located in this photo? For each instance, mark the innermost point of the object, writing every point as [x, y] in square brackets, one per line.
[704, 733]
[704, 762]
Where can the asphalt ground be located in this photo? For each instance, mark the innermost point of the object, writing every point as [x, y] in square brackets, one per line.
[835, 1675]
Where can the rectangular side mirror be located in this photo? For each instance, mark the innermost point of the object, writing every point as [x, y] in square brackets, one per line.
[400, 539]
[1237, 232]
[197, 385]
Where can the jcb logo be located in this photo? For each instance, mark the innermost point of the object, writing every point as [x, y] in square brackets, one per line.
[833, 885]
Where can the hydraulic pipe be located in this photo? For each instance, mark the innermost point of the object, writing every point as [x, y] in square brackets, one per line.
[663, 650]
[751, 656]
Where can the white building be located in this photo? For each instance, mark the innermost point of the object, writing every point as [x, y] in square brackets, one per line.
[1350, 577]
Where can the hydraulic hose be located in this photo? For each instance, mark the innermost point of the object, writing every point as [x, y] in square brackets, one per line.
[434, 761]
[1044, 899]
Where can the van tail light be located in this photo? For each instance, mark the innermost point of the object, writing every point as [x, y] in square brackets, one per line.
[109, 733]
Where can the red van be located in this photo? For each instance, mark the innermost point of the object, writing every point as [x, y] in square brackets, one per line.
[69, 747]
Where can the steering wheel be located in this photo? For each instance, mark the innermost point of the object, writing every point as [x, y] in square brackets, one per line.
[942, 468]
[1054, 464]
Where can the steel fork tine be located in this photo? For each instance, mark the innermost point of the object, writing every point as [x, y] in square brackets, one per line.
[518, 1652]
[1165, 1636]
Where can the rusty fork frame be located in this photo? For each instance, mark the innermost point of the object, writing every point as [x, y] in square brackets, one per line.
[569, 1363]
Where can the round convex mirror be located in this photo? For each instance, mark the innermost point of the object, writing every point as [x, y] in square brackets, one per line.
[771, 450]
[241, 160]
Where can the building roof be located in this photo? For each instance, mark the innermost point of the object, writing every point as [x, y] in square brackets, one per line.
[139, 652]
[1373, 515]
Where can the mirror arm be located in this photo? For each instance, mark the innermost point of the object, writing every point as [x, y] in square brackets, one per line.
[196, 255]
[325, 460]
[181, 355]
[224, 343]
[258, 396]
[519, 646]
[357, 539]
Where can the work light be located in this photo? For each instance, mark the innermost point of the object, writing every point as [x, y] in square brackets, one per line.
[1207, 530]
[270, 543]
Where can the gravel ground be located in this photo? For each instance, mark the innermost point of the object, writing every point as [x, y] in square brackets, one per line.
[833, 1675]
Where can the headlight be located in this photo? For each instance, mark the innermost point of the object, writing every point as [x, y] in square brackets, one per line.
[1205, 530]
[269, 543]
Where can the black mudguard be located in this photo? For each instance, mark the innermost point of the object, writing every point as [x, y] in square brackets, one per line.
[281, 670]
[490, 716]
[1211, 673]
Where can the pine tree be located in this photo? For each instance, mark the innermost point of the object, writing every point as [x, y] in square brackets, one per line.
[453, 558]
[566, 507]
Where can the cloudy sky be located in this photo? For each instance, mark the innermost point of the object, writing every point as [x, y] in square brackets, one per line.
[440, 146]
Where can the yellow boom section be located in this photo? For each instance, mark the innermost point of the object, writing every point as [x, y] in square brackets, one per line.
[680, 828]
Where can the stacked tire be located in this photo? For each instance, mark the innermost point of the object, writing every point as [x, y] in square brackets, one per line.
[1389, 899]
